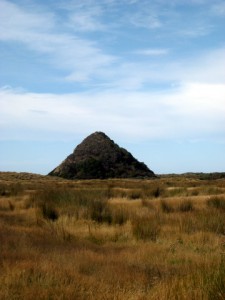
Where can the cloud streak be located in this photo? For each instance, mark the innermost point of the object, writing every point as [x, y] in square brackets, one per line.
[152, 52]
[192, 110]
[39, 32]
[85, 61]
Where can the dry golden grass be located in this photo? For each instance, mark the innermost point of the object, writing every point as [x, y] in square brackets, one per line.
[111, 239]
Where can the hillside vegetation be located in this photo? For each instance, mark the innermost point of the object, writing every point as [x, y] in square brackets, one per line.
[99, 157]
[111, 239]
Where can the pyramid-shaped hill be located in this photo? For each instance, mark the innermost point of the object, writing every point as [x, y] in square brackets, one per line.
[99, 157]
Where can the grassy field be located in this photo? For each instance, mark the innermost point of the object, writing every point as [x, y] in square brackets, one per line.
[112, 239]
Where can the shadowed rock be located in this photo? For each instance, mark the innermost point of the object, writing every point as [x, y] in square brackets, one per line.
[99, 157]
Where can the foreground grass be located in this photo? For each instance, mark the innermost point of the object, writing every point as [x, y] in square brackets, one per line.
[130, 239]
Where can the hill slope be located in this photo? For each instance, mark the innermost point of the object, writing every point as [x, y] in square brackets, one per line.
[99, 157]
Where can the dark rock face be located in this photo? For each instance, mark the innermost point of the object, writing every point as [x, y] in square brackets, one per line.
[99, 157]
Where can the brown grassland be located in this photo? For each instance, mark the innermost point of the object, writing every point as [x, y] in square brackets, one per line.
[111, 239]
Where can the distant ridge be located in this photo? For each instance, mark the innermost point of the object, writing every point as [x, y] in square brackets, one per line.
[99, 157]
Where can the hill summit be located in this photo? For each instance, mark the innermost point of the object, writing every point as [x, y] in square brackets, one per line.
[99, 157]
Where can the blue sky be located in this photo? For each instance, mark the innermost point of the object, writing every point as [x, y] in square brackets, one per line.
[150, 74]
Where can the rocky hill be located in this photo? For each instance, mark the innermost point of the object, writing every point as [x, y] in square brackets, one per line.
[99, 157]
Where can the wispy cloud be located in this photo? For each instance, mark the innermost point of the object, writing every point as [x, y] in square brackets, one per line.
[85, 17]
[152, 52]
[84, 22]
[149, 21]
[195, 31]
[64, 45]
[40, 32]
[219, 8]
[143, 75]
[191, 110]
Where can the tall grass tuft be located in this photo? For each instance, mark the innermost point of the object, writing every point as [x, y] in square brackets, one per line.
[100, 211]
[48, 211]
[166, 207]
[12, 189]
[153, 191]
[146, 227]
[120, 215]
[217, 202]
[214, 283]
[186, 205]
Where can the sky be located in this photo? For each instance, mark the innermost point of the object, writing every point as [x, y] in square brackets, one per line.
[150, 74]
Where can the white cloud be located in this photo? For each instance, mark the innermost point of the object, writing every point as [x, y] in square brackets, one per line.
[84, 22]
[87, 17]
[85, 61]
[193, 110]
[40, 32]
[208, 68]
[15, 20]
[152, 52]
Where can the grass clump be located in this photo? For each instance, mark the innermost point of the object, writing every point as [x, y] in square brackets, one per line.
[146, 227]
[12, 189]
[154, 191]
[186, 206]
[113, 247]
[134, 194]
[216, 202]
[120, 215]
[48, 211]
[166, 207]
[100, 211]
[214, 282]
